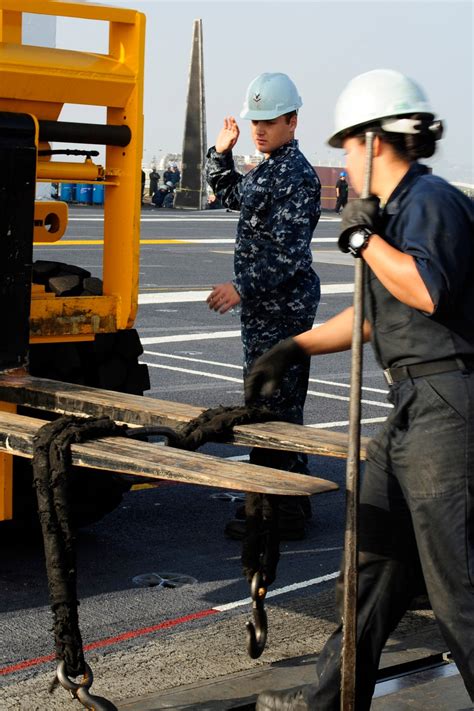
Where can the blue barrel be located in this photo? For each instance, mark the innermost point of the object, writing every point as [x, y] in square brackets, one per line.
[67, 192]
[84, 193]
[98, 194]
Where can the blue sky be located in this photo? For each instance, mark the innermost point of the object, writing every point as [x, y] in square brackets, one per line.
[320, 44]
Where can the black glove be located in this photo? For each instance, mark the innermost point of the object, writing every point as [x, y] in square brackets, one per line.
[267, 372]
[360, 213]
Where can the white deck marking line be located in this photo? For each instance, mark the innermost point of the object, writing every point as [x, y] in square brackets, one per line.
[345, 423]
[193, 360]
[185, 337]
[279, 591]
[182, 297]
[195, 372]
[329, 396]
[347, 385]
[239, 367]
[344, 397]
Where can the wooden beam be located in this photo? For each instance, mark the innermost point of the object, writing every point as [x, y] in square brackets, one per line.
[141, 459]
[72, 399]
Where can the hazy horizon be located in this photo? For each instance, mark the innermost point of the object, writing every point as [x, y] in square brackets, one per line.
[320, 44]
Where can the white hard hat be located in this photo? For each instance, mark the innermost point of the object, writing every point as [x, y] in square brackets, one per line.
[377, 95]
[270, 95]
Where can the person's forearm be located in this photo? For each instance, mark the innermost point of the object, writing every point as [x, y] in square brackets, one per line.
[333, 336]
[398, 273]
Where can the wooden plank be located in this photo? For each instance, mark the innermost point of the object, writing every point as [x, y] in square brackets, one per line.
[136, 410]
[142, 459]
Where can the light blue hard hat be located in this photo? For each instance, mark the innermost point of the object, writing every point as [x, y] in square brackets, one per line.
[270, 95]
[343, 174]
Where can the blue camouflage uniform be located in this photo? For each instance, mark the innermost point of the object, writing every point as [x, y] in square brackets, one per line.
[279, 203]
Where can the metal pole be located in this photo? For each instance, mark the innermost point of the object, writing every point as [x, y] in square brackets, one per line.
[349, 639]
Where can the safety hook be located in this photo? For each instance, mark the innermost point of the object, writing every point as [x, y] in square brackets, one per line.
[80, 691]
[257, 630]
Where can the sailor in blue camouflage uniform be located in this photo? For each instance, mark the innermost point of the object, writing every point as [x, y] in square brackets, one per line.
[274, 282]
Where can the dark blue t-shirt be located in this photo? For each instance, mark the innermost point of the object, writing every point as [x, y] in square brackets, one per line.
[434, 222]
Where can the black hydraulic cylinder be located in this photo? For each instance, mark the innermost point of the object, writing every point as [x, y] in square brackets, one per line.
[17, 209]
[70, 132]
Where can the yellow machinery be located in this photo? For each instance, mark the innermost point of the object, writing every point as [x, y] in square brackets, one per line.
[35, 83]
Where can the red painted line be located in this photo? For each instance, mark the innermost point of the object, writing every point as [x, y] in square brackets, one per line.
[108, 641]
[27, 663]
[148, 630]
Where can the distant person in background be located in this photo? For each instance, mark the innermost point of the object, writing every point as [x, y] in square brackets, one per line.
[143, 184]
[213, 203]
[175, 175]
[154, 178]
[160, 196]
[168, 200]
[172, 174]
[168, 173]
[342, 192]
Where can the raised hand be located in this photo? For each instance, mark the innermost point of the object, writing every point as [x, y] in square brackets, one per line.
[228, 136]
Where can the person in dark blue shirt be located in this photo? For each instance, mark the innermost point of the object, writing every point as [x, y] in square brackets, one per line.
[416, 512]
[274, 284]
[342, 192]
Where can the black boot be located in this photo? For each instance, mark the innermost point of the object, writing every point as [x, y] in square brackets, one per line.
[304, 501]
[289, 529]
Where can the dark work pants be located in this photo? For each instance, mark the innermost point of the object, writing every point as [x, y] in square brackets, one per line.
[341, 202]
[259, 334]
[416, 522]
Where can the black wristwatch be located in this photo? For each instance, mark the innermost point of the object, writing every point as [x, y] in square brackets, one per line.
[359, 240]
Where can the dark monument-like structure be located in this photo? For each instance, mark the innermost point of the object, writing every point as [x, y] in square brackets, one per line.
[192, 193]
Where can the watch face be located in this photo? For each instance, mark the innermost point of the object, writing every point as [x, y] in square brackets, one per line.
[357, 239]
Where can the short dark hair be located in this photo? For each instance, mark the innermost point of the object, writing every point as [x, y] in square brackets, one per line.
[290, 115]
[409, 146]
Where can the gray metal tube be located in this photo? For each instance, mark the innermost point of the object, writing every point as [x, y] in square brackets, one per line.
[349, 639]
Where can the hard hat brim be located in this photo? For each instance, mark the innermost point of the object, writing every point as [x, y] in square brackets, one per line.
[266, 115]
[337, 139]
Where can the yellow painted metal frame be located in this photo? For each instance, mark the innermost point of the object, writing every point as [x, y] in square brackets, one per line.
[50, 220]
[39, 81]
[6, 475]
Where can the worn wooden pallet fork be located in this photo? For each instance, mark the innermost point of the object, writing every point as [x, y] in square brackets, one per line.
[67, 398]
[151, 461]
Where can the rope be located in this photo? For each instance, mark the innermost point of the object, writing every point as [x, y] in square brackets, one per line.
[261, 543]
[216, 425]
[51, 463]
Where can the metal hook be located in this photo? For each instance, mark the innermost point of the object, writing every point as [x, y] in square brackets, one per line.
[80, 691]
[257, 633]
